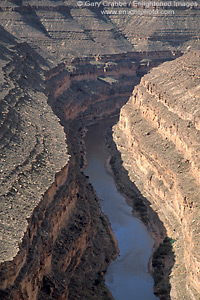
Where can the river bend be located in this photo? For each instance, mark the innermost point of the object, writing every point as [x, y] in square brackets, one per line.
[127, 277]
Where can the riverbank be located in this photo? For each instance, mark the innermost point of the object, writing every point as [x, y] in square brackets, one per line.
[162, 258]
[128, 274]
[156, 237]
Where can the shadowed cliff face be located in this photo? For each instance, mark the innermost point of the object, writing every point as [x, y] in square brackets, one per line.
[60, 29]
[93, 88]
[158, 137]
[162, 261]
[30, 153]
[51, 223]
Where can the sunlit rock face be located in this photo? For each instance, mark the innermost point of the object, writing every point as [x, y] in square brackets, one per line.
[84, 64]
[158, 136]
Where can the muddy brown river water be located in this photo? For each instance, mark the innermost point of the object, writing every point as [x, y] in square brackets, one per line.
[127, 277]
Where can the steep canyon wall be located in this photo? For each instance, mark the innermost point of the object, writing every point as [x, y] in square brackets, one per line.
[158, 137]
[84, 64]
[51, 220]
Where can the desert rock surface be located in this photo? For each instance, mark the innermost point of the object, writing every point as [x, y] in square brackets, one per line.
[63, 67]
[158, 137]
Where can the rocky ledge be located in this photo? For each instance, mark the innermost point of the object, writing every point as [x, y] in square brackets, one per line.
[158, 137]
[31, 152]
[60, 29]
[55, 241]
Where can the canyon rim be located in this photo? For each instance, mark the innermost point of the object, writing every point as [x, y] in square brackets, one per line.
[65, 65]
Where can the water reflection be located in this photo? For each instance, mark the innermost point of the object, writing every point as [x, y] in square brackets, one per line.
[127, 277]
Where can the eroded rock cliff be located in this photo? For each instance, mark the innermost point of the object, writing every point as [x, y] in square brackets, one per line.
[31, 152]
[60, 29]
[51, 222]
[158, 137]
[56, 243]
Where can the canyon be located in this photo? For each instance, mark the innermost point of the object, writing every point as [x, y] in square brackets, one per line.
[60, 74]
[158, 138]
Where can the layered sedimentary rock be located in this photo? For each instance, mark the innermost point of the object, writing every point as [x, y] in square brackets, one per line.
[51, 220]
[55, 241]
[60, 29]
[94, 87]
[31, 152]
[174, 27]
[158, 137]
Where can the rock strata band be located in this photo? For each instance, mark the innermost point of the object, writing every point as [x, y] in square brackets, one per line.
[64, 67]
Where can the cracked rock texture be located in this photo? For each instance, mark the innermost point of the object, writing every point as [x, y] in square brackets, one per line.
[84, 64]
[53, 232]
[31, 152]
[60, 29]
[158, 136]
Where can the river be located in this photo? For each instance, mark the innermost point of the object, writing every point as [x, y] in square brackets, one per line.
[127, 277]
